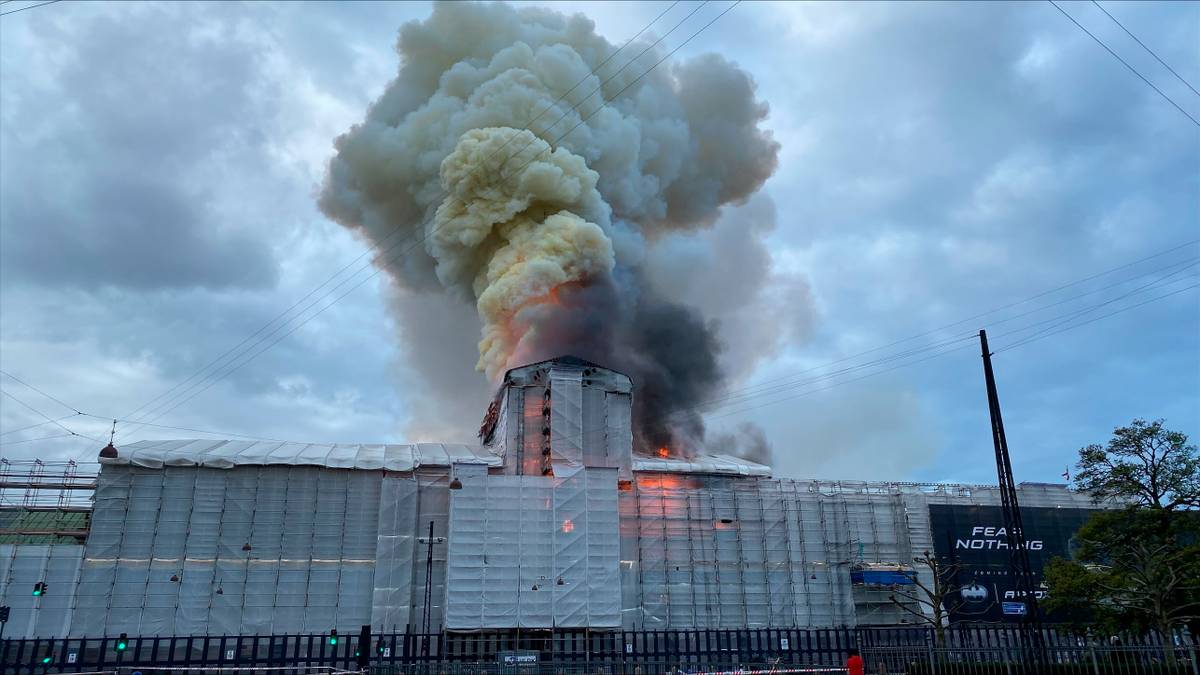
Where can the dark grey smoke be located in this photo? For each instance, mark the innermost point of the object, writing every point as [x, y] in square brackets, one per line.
[669, 351]
[673, 356]
[749, 442]
[555, 248]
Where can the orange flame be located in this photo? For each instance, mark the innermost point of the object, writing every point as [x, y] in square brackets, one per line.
[663, 452]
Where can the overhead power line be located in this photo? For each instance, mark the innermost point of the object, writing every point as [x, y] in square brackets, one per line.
[41, 438]
[47, 417]
[946, 348]
[1037, 296]
[1125, 63]
[40, 424]
[1150, 51]
[30, 386]
[1095, 319]
[162, 409]
[224, 434]
[22, 9]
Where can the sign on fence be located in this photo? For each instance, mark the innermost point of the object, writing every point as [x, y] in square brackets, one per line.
[1014, 608]
[516, 658]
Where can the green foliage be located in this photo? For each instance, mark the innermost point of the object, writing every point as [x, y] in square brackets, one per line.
[1136, 568]
[1143, 464]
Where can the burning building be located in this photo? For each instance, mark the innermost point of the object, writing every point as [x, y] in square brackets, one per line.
[551, 522]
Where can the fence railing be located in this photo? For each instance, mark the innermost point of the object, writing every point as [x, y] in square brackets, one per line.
[968, 650]
[1052, 660]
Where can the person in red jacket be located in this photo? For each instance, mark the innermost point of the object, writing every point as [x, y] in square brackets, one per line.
[854, 664]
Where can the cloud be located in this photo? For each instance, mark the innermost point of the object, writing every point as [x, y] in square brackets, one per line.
[158, 166]
[116, 147]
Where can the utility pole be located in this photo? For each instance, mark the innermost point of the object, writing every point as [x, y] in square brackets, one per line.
[425, 618]
[428, 588]
[1018, 562]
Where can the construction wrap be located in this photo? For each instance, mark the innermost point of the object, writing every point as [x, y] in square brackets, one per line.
[184, 551]
[533, 551]
[567, 440]
[391, 603]
[23, 566]
[217, 454]
[188, 550]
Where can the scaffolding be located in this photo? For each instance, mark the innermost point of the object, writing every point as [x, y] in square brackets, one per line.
[275, 548]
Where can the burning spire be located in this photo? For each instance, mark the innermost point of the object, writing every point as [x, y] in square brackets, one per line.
[546, 229]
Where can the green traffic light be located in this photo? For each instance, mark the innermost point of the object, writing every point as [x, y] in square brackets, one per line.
[37, 592]
[48, 658]
[121, 646]
[333, 639]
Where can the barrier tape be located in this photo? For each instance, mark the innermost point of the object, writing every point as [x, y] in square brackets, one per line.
[329, 669]
[773, 671]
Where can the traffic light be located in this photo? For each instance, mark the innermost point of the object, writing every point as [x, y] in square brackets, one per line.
[122, 642]
[4, 614]
[362, 650]
[40, 588]
[333, 637]
[48, 659]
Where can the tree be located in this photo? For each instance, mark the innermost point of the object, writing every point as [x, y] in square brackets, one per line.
[1143, 464]
[1136, 567]
[937, 600]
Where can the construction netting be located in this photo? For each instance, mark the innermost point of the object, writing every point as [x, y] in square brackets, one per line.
[193, 551]
[22, 566]
[190, 550]
[720, 552]
[533, 551]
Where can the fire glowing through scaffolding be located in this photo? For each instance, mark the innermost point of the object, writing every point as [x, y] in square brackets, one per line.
[538, 166]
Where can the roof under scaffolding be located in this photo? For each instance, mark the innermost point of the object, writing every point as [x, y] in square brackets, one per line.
[224, 454]
[219, 454]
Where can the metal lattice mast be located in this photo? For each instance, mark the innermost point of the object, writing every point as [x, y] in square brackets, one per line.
[1018, 567]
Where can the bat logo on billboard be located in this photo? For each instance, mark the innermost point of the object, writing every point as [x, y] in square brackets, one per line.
[992, 538]
[974, 593]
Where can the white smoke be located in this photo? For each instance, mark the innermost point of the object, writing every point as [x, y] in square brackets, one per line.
[547, 230]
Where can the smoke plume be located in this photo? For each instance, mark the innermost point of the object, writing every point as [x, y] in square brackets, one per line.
[547, 227]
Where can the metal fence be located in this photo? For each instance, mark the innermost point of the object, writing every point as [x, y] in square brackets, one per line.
[912, 651]
[1054, 660]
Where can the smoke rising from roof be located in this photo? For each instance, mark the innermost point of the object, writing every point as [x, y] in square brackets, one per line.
[548, 231]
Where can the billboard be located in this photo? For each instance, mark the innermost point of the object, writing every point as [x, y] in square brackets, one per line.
[974, 538]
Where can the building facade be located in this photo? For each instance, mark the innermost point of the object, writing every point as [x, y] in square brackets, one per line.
[551, 523]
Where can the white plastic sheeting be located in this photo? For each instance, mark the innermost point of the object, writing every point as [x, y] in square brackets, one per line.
[567, 439]
[513, 539]
[725, 465]
[185, 551]
[335, 548]
[22, 566]
[390, 606]
[228, 454]
[582, 409]
[714, 551]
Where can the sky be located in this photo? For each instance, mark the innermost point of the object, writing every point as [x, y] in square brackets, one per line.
[159, 166]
